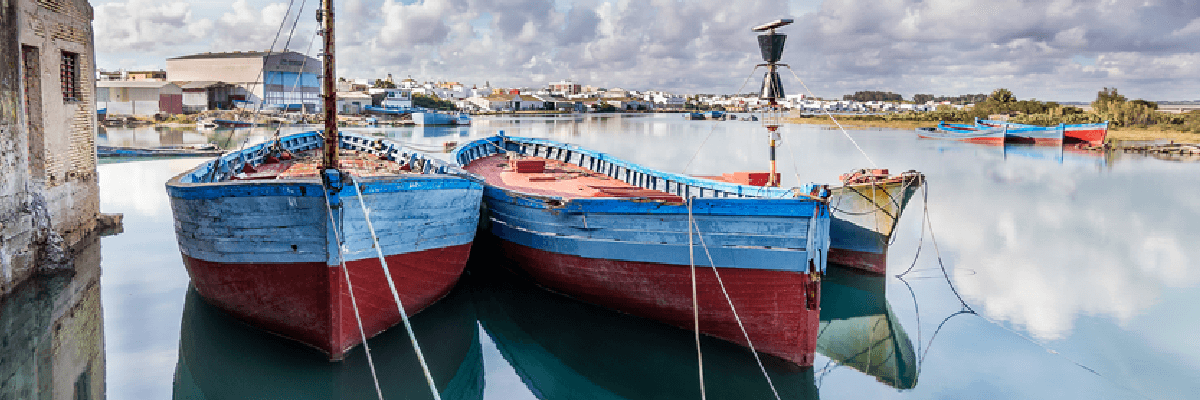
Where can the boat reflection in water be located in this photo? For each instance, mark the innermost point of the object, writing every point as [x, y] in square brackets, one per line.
[565, 349]
[859, 330]
[223, 358]
[52, 336]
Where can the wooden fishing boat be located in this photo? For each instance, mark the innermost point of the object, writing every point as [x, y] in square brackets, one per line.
[1027, 134]
[1090, 134]
[866, 209]
[989, 136]
[279, 235]
[565, 349]
[440, 118]
[615, 233]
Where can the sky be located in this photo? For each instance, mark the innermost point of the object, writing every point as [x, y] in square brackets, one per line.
[1061, 50]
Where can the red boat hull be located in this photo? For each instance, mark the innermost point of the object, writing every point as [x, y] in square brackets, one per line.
[780, 309]
[310, 302]
[1094, 137]
[875, 263]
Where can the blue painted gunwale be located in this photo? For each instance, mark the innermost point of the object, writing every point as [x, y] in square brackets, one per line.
[1024, 131]
[946, 131]
[254, 221]
[743, 226]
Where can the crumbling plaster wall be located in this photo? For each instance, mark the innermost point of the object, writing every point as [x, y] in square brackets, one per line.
[49, 195]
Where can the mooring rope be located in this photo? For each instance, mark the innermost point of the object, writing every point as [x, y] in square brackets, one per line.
[714, 126]
[387, 273]
[353, 303]
[693, 225]
[835, 121]
[968, 310]
[695, 301]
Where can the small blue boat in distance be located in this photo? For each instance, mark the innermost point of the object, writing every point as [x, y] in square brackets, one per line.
[440, 118]
[1022, 133]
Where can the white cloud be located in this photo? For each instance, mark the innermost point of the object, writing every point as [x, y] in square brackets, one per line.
[1048, 249]
[908, 46]
[143, 25]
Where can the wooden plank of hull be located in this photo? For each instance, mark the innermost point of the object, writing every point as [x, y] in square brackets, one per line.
[780, 309]
[310, 302]
[576, 243]
[264, 250]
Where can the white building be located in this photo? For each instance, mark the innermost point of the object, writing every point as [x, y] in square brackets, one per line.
[274, 80]
[139, 98]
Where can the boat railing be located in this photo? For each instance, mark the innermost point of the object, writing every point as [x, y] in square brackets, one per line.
[633, 174]
[229, 164]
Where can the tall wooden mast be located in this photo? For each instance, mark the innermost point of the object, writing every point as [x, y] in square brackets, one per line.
[329, 93]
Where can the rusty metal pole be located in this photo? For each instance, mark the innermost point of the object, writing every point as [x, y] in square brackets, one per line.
[330, 160]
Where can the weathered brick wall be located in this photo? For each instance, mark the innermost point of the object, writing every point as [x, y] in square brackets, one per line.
[48, 187]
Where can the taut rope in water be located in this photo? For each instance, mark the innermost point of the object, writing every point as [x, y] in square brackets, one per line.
[695, 300]
[966, 308]
[692, 225]
[353, 303]
[387, 273]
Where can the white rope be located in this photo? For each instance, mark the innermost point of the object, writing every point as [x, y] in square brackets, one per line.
[353, 303]
[695, 300]
[835, 121]
[692, 225]
[396, 295]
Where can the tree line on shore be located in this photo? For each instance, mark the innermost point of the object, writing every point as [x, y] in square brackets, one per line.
[1109, 106]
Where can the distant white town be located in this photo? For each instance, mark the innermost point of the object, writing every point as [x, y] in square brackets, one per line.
[289, 82]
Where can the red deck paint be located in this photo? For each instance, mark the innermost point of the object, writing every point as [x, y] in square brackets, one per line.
[779, 309]
[310, 302]
[560, 179]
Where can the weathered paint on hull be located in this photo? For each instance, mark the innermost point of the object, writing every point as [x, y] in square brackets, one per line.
[270, 251]
[632, 254]
[864, 218]
[310, 302]
[780, 309]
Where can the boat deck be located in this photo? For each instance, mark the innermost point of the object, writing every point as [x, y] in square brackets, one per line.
[557, 178]
[305, 165]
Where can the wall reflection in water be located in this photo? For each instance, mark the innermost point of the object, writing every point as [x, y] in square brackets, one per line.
[52, 333]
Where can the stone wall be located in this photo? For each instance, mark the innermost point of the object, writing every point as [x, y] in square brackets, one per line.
[49, 196]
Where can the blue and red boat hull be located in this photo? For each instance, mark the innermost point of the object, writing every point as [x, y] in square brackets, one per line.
[271, 251]
[632, 254]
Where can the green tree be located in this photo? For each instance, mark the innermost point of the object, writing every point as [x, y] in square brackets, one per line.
[1002, 96]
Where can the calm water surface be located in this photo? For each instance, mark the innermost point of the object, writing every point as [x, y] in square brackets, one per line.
[1076, 272]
